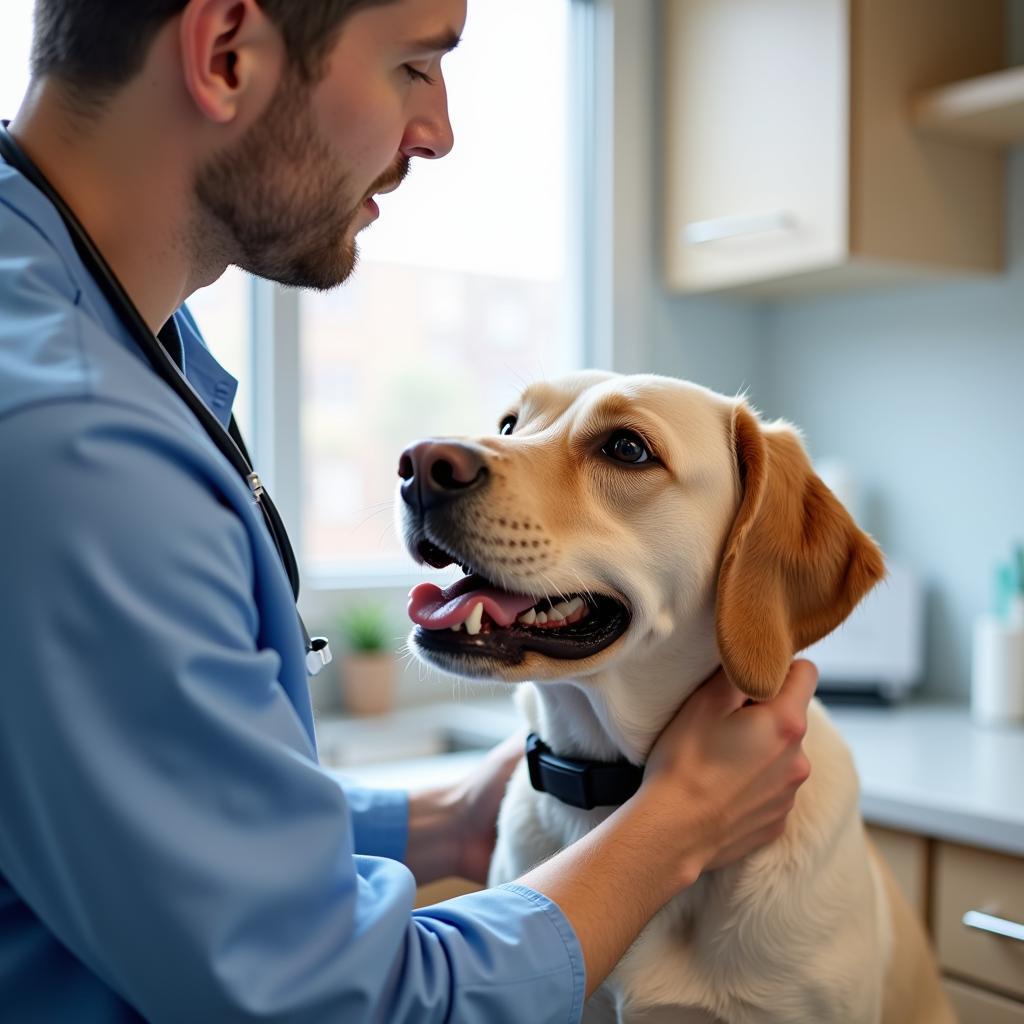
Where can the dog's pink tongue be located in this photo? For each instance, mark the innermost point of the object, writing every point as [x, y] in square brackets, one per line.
[434, 608]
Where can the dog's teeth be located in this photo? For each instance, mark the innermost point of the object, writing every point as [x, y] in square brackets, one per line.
[475, 618]
[528, 618]
[573, 606]
[542, 618]
[557, 613]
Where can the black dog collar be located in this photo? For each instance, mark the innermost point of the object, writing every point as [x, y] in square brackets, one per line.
[585, 784]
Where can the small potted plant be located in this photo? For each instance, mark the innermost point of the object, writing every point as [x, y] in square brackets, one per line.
[368, 668]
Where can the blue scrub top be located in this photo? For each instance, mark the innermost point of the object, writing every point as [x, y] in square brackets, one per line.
[170, 848]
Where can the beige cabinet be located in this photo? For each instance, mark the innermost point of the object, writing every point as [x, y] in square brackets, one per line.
[950, 885]
[976, 1006]
[444, 889]
[792, 161]
[907, 857]
[978, 895]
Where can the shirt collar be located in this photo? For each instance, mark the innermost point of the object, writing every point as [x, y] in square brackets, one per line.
[215, 385]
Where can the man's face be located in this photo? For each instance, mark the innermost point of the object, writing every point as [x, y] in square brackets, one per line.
[295, 190]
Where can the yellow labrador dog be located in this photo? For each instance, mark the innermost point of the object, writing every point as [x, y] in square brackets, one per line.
[622, 537]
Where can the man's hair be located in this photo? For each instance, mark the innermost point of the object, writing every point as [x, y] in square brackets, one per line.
[97, 46]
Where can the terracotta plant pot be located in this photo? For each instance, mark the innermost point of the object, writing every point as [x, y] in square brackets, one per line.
[368, 683]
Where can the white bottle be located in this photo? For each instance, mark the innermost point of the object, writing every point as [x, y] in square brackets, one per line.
[997, 670]
[1015, 615]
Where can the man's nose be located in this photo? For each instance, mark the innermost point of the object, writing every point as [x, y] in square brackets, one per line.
[437, 472]
[429, 133]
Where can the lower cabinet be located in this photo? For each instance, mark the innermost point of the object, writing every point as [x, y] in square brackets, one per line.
[976, 1006]
[443, 889]
[967, 897]
[907, 857]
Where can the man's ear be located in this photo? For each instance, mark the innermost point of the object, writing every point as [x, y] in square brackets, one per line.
[232, 57]
[795, 563]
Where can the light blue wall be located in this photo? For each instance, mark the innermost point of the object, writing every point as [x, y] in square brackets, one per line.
[920, 389]
[717, 342]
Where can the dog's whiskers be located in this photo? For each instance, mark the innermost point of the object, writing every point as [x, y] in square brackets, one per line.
[380, 536]
[584, 590]
[515, 371]
[373, 513]
[555, 591]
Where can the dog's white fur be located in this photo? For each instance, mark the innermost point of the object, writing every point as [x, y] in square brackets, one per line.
[803, 930]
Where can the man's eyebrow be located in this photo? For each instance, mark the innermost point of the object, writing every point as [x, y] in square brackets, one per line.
[443, 42]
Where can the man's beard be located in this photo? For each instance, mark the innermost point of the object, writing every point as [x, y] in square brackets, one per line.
[282, 204]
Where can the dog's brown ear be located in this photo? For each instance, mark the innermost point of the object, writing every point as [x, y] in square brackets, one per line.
[795, 563]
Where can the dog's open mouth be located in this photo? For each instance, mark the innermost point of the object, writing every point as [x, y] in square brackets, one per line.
[476, 617]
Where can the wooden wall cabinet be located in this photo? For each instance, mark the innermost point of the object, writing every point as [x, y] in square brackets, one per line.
[793, 162]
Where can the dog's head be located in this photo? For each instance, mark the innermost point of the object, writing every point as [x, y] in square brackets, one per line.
[612, 513]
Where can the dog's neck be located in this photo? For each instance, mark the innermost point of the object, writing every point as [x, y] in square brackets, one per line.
[619, 712]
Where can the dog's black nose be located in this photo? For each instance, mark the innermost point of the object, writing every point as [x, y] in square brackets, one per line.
[436, 472]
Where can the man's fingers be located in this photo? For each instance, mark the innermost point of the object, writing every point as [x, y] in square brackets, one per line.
[513, 746]
[798, 687]
[719, 695]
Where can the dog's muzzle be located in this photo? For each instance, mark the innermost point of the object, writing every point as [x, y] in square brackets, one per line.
[482, 621]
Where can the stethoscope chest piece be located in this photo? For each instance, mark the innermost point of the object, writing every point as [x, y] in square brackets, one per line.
[318, 655]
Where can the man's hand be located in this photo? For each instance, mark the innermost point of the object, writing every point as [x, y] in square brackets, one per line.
[478, 799]
[737, 767]
[452, 828]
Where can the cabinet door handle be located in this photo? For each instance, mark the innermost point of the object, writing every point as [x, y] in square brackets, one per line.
[700, 232]
[983, 922]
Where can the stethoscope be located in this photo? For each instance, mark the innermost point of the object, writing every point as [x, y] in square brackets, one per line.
[158, 350]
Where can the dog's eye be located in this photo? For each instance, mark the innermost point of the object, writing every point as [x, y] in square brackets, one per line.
[508, 424]
[625, 446]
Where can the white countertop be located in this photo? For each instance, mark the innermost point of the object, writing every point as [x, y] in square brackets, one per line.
[923, 768]
[929, 769]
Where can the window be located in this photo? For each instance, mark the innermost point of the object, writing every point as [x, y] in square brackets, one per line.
[463, 290]
[15, 41]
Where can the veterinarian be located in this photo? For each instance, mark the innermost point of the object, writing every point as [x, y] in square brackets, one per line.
[169, 847]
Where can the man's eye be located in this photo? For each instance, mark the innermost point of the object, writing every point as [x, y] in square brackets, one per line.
[625, 446]
[416, 75]
[508, 424]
